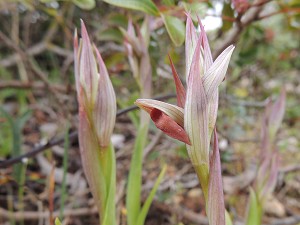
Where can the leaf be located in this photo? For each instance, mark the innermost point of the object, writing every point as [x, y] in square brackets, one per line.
[146, 6]
[294, 3]
[133, 196]
[85, 4]
[198, 8]
[227, 12]
[228, 218]
[145, 31]
[111, 34]
[16, 129]
[180, 91]
[57, 221]
[276, 114]
[146, 206]
[175, 28]
[168, 2]
[109, 169]
[118, 20]
[254, 210]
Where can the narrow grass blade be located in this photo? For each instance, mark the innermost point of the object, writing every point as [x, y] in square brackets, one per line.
[146, 206]
[254, 210]
[133, 196]
[228, 218]
[109, 169]
[146, 6]
[57, 222]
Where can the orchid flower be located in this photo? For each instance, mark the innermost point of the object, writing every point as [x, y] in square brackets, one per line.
[193, 120]
[97, 113]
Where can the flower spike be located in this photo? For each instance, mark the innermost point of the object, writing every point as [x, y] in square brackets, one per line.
[198, 105]
[97, 113]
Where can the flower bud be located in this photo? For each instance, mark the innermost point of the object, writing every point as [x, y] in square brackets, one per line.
[96, 96]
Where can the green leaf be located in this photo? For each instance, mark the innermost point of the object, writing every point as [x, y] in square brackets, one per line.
[111, 34]
[109, 168]
[175, 28]
[16, 128]
[294, 3]
[57, 221]
[228, 218]
[146, 6]
[146, 206]
[196, 9]
[168, 2]
[145, 31]
[117, 20]
[133, 197]
[227, 12]
[85, 4]
[254, 210]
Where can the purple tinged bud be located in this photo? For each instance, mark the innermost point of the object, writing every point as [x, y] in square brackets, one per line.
[96, 96]
[97, 113]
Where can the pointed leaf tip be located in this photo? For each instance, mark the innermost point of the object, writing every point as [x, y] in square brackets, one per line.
[191, 38]
[75, 39]
[216, 73]
[84, 33]
[180, 91]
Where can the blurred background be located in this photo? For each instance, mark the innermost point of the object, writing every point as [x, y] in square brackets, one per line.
[38, 108]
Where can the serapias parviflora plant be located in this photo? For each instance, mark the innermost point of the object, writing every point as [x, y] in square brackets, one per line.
[268, 168]
[193, 120]
[97, 114]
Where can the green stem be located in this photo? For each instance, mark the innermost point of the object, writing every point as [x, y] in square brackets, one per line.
[203, 176]
[108, 164]
[99, 166]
